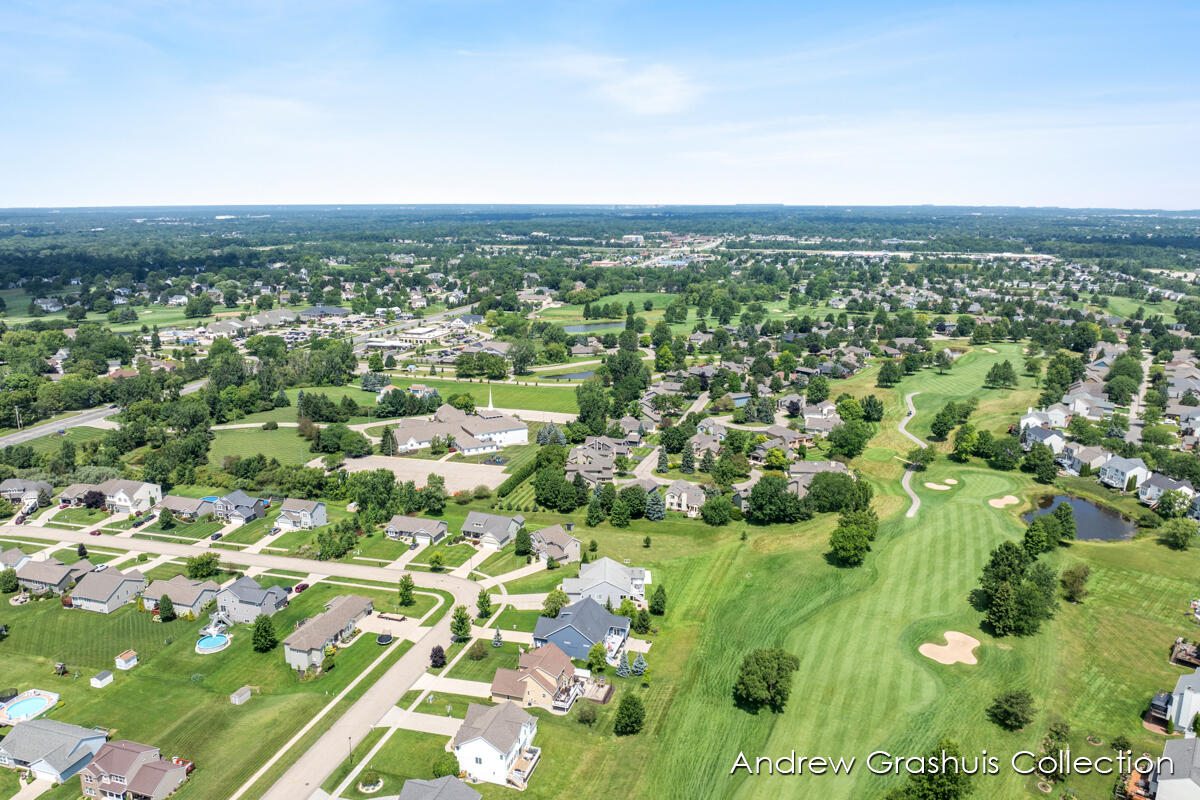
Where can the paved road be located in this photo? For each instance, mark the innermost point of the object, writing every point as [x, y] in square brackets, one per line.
[1137, 404]
[89, 417]
[906, 481]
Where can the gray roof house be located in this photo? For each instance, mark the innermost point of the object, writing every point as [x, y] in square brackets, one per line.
[13, 558]
[554, 542]
[304, 515]
[50, 749]
[417, 529]
[244, 599]
[495, 744]
[107, 590]
[187, 596]
[51, 575]
[306, 646]
[1118, 472]
[445, 788]
[581, 625]
[491, 529]
[186, 507]
[16, 489]
[607, 581]
[237, 506]
[1177, 776]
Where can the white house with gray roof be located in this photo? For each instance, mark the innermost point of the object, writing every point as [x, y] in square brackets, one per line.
[244, 599]
[415, 529]
[608, 581]
[187, 596]
[128, 497]
[1118, 472]
[495, 744]
[105, 591]
[51, 750]
[448, 787]
[301, 515]
[493, 530]
[1177, 775]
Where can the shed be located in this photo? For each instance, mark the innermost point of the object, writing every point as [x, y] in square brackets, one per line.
[240, 696]
[102, 679]
[127, 660]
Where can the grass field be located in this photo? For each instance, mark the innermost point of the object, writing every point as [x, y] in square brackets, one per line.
[51, 443]
[334, 393]
[511, 619]
[505, 656]
[282, 443]
[504, 395]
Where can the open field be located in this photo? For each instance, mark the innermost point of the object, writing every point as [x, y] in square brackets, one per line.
[51, 442]
[284, 444]
[504, 395]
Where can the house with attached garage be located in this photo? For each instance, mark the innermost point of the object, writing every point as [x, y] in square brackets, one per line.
[1051, 438]
[1123, 474]
[608, 581]
[306, 647]
[415, 529]
[545, 677]
[494, 744]
[1176, 776]
[554, 542]
[448, 787]
[244, 599]
[492, 530]
[129, 497]
[187, 596]
[1079, 460]
[186, 508]
[580, 626]
[125, 769]
[51, 575]
[51, 750]
[301, 515]
[237, 506]
[18, 491]
[104, 591]
[13, 558]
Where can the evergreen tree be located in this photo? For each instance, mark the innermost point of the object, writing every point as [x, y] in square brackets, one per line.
[658, 601]
[631, 715]
[707, 462]
[497, 641]
[263, 636]
[387, 442]
[639, 665]
[406, 590]
[619, 516]
[663, 463]
[81, 551]
[166, 609]
[437, 657]
[1002, 611]
[688, 466]
[523, 544]
[656, 509]
[641, 623]
[623, 665]
[595, 513]
[1066, 520]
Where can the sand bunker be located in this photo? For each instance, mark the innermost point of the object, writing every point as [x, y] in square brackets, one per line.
[936, 487]
[988, 350]
[1001, 502]
[958, 649]
[951, 481]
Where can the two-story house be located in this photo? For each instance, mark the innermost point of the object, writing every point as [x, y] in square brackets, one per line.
[495, 744]
[301, 515]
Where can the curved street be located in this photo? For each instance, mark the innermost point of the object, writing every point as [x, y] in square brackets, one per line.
[906, 481]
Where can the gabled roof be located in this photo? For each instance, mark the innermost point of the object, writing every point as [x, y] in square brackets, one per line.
[59, 744]
[499, 726]
[447, 788]
[587, 616]
[102, 585]
[248, 590]
[478, 523]
[415, 524]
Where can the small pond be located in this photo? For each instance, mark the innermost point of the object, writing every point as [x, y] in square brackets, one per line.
[588, 327]
[571, 376]
[1093, 523]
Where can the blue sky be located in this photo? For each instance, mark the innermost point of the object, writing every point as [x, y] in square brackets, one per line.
[361, 101]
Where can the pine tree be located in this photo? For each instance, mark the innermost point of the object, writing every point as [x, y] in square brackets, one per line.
[406, 590]
[623, 665]
[619, 516]
[656, 509]
[166, 609]
[387, 442]
[663, 464]
[641, 623]
[263, 636]
[689, 461]
[639, 665]
[658, 602]
[497, 641]
[460, 623]
[707, 462]
[595, 514]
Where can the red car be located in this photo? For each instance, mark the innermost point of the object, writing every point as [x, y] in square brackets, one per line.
[94, 533]
[300, 587]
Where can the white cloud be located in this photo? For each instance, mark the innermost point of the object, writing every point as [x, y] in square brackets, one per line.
[639, 89]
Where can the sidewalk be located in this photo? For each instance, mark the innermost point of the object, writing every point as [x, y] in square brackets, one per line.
[471, 563]
[528, 569]
[440, 683]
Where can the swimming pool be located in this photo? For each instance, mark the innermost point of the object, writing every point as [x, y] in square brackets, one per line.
[212, 643]
[210, 499]
[26, 706]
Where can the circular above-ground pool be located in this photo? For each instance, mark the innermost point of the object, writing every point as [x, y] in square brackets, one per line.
[212, 643]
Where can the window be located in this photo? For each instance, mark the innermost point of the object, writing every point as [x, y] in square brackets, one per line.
[478, 760]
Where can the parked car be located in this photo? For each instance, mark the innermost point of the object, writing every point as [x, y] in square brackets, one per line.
[300, 587]
[215, 536]
[61, 507]
[94, 533]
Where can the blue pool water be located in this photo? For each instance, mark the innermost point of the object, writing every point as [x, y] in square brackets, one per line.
[210, 499]
[211, 641]
[29, 707]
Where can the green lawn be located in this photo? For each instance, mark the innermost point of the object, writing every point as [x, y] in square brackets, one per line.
[81, 516]
[407, 754]
[504, 395]
[512, 619]
[502, 561]
[288, 413]
[435, 704]
[503, 657]
[452, 554]
[284, 444]
[542, 581]
[51, 443]
[186, 530]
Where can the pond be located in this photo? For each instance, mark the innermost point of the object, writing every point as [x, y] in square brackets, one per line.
[588, 327]
[571, 376]
[1093, 523]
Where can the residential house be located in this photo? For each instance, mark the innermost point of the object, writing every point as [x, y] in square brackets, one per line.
[545, 677]
[595, 467]
[51, 575]
[1176, 776]
[608, 581]
[1080, 460]
[244, 599]
[129, 497]
[493, 530]
[186, 508]
[580, 626]
[237, 506]
[1051, 438]
[1121, 473]
[53, 751]
[554, 542]
[301, 515]
[1153, 488]
[684, 497]
[104, 591]
[306, 646]
[448, 787]
[415, 529]
[19, 491]
[13, 558]
[495, 744]
[485, 431]
[1055, 416]
[125, 769]
[187, 596]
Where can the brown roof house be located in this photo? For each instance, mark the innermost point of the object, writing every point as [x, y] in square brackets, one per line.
[554, 542]
[545, 677]
[305, 648]
[125, 769]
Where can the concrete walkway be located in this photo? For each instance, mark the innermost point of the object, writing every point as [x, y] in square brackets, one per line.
[906, 481]
[35, 789]
[526, 602]
[500, 580]
[520, 637]
[464, 570]
[424, 723]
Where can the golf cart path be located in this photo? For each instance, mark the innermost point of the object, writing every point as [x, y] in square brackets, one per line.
[906, 481]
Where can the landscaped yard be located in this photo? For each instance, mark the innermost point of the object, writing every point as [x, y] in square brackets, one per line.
[502, 561]
[512, 619]
[184, 529]
[81, 516]
[435, 703]
[542, 581]
[505, 656]
[78, 435]
[452, 554]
